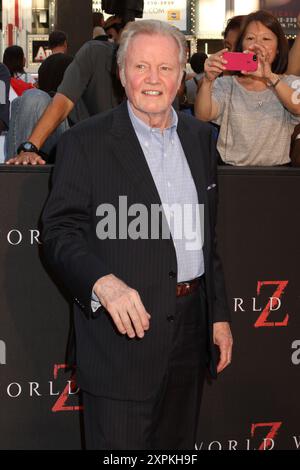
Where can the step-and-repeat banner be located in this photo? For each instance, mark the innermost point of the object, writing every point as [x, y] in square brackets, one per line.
[253, 405]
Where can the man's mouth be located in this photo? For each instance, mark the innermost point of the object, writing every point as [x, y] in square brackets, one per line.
[152, 92]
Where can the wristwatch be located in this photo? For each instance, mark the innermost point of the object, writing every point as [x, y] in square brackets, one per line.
[27, 147]
[273, 84]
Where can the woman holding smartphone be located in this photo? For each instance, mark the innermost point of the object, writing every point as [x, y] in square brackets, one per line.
[256, 111]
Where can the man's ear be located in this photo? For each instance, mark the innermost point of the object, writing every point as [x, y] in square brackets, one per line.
[180, 77]
[122, 77]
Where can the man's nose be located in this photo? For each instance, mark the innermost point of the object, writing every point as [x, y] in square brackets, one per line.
[153, 75]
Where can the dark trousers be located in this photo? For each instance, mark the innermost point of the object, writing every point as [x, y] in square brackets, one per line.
[169, 419]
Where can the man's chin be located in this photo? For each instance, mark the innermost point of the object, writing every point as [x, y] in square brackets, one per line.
[153, 108]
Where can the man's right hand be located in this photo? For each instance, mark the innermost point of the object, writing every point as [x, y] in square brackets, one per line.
[124, 306]
[26, 158]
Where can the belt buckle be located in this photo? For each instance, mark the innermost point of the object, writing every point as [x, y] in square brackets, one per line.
[187, 285]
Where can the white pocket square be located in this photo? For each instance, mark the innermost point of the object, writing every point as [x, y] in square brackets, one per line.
[212, 186]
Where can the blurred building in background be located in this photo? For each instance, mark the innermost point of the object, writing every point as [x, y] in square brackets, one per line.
[29, 22]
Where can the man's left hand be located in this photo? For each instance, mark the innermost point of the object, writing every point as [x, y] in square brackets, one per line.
[223, 339]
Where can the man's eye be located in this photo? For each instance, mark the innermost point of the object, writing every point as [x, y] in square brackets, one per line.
[140, 66]
[165, 67]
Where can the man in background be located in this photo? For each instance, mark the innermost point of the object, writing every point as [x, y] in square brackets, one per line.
[51, 71]
[89, 78]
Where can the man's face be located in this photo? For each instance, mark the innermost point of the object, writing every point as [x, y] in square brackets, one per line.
[152, 76]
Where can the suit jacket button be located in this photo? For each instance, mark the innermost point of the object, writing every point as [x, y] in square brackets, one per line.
[170, 318]
[172, 275]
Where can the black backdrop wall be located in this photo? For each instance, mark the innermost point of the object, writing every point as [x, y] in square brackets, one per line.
[253, 405]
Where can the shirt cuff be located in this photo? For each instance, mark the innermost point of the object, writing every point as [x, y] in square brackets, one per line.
[95, 304]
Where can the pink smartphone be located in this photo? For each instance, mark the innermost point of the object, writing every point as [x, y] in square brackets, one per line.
[237, 61]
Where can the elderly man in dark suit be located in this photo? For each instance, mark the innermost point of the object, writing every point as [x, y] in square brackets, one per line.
[125, 232]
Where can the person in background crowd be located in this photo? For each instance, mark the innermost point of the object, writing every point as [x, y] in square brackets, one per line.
[232, 32]
[15, 61]
[98, 19]
[28, 109]
[4, 97]
[18, 87]
[20, 81]
[114, 19]
[114, 32]
[150, 314]
[51, 71]
[58, 42]
[98, 27]
[4, 108]
[231, 35]
[192, 84]
[257, 111]
[91, 77]
[99, 34]
[180, 102]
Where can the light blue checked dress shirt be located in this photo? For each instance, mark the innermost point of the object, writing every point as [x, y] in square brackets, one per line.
[175, 185]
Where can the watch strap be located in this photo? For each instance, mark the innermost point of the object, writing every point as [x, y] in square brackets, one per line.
[27, 147]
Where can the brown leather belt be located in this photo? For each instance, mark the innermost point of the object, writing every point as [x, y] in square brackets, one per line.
[186, 288]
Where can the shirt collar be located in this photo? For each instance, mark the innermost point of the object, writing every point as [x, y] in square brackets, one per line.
[143, 129]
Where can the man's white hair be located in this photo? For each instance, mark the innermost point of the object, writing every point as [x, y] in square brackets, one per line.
[150, 27]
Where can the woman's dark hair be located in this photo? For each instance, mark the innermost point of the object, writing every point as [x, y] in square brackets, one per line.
[269, 21]
[234, 24]
[13, 58]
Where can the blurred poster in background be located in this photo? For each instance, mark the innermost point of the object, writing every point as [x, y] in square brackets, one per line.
[172, 11]
[286, 11]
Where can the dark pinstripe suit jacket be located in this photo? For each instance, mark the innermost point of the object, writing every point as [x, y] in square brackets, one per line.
[97, 161]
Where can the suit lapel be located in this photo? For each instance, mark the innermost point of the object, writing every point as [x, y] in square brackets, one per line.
[127, 149]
